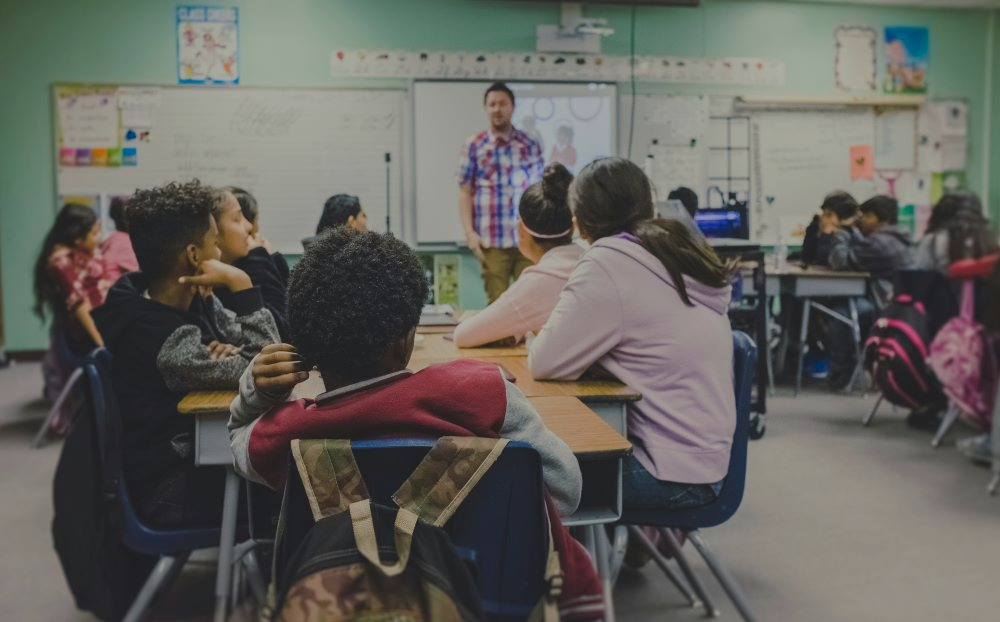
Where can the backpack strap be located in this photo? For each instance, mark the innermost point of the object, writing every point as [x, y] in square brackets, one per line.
[364, 536]
[329, 474]
[547, 609]
[446, 476]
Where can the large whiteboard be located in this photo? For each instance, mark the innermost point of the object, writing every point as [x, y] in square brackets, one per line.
[798, 157]
[446, 114]
[291, 148]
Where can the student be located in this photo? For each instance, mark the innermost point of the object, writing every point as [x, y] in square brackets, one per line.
[70, 281]
[687, 197]
[877, 246]
[839, 210]
[248, 205]
[169, 336]
[340, 210]
[956, 230]
[648, 304]
[238, 248]
[119, 257]
[545, 237]
[354, 303]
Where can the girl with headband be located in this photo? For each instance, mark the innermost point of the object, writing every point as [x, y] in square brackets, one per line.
[545, 237]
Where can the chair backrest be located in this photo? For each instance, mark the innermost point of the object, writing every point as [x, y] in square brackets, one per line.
[500, 528]
[731, 495]
[107, 419]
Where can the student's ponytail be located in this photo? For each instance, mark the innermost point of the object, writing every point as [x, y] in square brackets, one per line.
[681, 254]
[611, 196]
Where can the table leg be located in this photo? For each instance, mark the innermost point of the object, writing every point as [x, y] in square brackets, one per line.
[766, 346]
[602, 559]
[230, 511]
[856, 336]
[803, 336]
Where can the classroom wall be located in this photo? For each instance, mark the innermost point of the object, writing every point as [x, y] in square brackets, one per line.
[288, 43]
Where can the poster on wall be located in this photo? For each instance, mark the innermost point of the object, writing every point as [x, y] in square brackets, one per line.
[854, 68]
[907, 53]
[208, 45]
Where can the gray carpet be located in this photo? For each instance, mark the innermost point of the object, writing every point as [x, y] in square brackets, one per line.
[840, 523]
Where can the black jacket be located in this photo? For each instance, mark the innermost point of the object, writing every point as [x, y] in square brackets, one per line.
[159, 355]
[270, 274]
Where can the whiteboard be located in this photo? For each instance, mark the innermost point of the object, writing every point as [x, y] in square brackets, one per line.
[799, 157]
[291, 148]
[673, 129]
[446, 114]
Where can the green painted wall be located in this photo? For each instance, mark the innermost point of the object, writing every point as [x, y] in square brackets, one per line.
[288, 43]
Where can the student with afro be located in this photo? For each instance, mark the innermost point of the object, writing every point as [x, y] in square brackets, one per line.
[354, 302]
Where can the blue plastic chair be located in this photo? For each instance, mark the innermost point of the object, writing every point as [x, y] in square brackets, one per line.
[725, 505]
[173, 546]
[500, 529]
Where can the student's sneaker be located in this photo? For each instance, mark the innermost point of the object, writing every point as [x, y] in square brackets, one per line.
[819, 368]
[977, 448]
[927, 418]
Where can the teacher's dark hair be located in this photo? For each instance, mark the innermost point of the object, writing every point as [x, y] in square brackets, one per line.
[501, 87]
[612, 196]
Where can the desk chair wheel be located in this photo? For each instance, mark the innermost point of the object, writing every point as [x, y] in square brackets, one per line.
[758, 426]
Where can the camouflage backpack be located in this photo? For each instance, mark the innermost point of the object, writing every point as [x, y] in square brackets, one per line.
[363, 561]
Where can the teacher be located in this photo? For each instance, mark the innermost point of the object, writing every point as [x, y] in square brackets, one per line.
[495, 168]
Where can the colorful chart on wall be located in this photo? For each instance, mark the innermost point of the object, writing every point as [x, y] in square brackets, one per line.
[208, 45]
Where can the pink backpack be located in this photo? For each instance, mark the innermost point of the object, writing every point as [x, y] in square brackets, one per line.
[964, 362]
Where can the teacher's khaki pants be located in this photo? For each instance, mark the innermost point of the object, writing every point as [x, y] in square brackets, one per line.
[500, 267]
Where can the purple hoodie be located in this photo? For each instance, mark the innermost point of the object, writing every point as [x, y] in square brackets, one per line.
[620, 309]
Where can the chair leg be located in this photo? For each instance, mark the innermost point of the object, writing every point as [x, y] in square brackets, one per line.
[661, 561]
[867, 420]
[254, 577]
[725, 580]
[803, 348]
[675, 549]
[947, 423]
[164, 569]
[856, 336]
[619, 544]
[41, 437]
[602, 548]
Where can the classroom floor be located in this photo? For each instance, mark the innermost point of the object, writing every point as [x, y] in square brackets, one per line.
[840, 523]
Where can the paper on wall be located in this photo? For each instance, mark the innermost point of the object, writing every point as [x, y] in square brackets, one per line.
[89, 120]
[854, 68]
[896, 140]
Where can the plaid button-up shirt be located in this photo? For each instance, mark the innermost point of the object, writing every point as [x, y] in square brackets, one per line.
[499, 170]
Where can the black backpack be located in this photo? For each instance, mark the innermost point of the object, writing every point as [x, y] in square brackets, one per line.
[102, 574]
[896, 354]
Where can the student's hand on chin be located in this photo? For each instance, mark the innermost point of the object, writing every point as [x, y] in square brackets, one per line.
[258, 241]
[278, 368]
[213, 273]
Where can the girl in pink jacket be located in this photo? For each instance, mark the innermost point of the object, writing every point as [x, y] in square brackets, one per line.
[647, 302]
[545, 237]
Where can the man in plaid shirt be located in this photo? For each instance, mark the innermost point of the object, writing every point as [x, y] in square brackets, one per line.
[495, 168]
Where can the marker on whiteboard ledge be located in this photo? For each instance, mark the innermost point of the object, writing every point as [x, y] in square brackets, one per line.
[388, 203]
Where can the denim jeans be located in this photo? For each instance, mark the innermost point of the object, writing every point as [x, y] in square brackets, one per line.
[642, 491]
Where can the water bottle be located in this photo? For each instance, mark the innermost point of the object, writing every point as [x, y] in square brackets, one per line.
[780, 255]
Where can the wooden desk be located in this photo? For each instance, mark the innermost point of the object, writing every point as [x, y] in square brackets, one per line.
[807, 283]
[608, 398]
[596, 444]
[436, 347]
